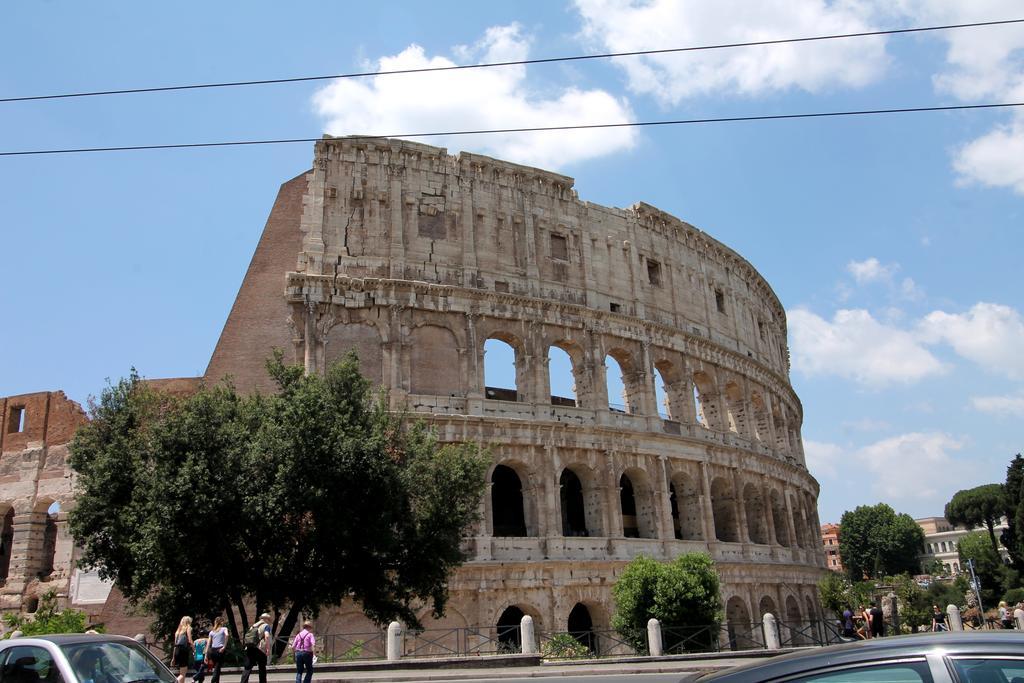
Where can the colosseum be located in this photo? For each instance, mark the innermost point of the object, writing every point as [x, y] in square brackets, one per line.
[421, 261]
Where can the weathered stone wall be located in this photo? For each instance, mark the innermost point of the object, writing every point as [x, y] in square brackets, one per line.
[416, 258]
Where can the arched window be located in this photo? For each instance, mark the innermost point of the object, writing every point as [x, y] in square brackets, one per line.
[736, 411]
[581, 627]
[698, 408]
[49, 540]
[779, 517]
[661, 395]
[500, 371]
[628, 504]
[738, 625]
[757, 523]
[793, 622]
[799, 527]
[618, 402]
[507, 502]
[561, 378]
[761, 417]
[434, 361]
[6, 541]
[574, 519]
[767, 606]
[510, 638]
[704, 401]
[723, 507]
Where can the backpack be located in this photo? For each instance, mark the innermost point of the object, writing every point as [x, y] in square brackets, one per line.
[254, 636]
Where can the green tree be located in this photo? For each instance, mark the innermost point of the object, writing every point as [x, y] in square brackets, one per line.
[292, 501]
[875, 541]
[835, 592]
[683, 595]
[1013, 497]
[982, 505]
[994, 576]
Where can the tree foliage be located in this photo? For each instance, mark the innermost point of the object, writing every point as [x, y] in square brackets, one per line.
[289, 502]
[982, 505]
[995, 577]
[875, 541]
[1013, 499]
[834, 592]
[682, 594]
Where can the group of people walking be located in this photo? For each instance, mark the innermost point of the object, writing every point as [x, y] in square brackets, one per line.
[203, 651]
[866, 623]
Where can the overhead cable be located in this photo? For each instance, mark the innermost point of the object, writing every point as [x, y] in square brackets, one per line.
[535, 129]
[522, 62]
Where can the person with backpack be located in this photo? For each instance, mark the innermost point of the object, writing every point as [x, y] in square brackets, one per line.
[303, 645]
[257, 648]
[182, 655]
[199, 656]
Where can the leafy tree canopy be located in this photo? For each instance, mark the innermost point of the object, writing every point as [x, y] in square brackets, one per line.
[980, 506]
[875, 541]
[683, 595]
[289, 502]
[1013, 497]
[47, 619]
[995, 577]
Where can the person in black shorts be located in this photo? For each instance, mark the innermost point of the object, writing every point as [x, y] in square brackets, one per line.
[877, 620]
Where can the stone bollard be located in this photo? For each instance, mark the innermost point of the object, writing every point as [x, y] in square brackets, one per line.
[772, 641]
[394, 642]
[654, 642]
[140, 638]
[16, 634]
[1018, 618]
[527, 636]
[955, 622]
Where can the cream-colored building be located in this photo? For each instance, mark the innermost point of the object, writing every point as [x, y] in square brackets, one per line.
[941, 542]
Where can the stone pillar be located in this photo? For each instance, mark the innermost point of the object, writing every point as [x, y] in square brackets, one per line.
[769, 513]
[706, 505]
[772, 641]
[662, 501]
[743, 533]
[394, 641]
[654, 642]
[794, 539]
[397, 231]
[955, 622]
[529, 640]
[1018, 618]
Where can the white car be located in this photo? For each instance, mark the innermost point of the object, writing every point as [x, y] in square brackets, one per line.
[79, 658]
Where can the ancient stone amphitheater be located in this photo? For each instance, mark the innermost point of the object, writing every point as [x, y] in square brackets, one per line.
[419, 260]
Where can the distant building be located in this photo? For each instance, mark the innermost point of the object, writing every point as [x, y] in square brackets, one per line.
[942, 539]
[830, 539]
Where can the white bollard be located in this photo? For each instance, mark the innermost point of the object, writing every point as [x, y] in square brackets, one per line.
[772, 641]
[955, 622]
[1018, 617]
[654, 642]
[16, 634]
[394, 643]
[526, 633]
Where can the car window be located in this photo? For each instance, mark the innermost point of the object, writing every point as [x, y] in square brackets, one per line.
[29, 664]
[893, 672]
[989, 669]
[114, 662]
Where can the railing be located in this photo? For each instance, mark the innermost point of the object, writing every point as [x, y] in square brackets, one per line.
[592, 643]
[456, 642]
[343, 647]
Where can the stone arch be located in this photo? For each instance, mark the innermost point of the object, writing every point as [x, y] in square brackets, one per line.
[706, 410]
[762, 419]
[580, 502]
[565, 359]
[779, 517]
[735, 408]
[619, 374]
[510, 512]
[435, 364]
[6, 542]
[757, 520]
[767, 606]
[723, 506]
[365, 340]
[793, 621]
[780, 426]
[44, 514]
[798, 524]
[687, 514]
[738, 624]
[809, 609]
[580, 625]
[504, 369]
[508, 629]
[661, 394]
[636, 500]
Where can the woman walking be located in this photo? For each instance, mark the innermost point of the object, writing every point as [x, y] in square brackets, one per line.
[182, 656]
[303, 645]
[215, 648]
[199, 657]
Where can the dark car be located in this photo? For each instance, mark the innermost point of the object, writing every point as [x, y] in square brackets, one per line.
[79, 658]
[965, 657]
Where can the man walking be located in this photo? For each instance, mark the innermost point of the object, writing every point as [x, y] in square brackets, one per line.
[257, 648]
[877, 620]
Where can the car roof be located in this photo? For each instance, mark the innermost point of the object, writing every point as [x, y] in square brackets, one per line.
[69, 639]
[920, 644]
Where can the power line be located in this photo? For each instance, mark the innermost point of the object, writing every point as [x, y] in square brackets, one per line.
[537, 129]
[523, 62]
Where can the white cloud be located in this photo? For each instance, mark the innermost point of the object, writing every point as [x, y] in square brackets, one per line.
[910, 290]
[823, 459]
[1003, 406]
[982, 64]
[989, 335]
[870, 270]
[856, 346]
[914, 466]
[477, 99]
[626, 25]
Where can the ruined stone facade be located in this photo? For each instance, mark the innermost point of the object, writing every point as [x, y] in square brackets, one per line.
[415, 258]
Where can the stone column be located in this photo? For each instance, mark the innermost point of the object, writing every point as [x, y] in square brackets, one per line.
[397, 231]
[766, 495]
[741, 508]
[794, 539]
[663, 503]
[706, 504]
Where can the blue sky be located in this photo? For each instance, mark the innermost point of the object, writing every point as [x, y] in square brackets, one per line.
[893, 242]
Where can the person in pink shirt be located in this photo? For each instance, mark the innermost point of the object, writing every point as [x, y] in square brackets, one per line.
[303, 645]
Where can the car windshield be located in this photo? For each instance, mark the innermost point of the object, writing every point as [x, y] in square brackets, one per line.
[115, 662]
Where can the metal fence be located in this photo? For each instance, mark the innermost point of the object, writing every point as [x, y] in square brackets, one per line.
[577, 644]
